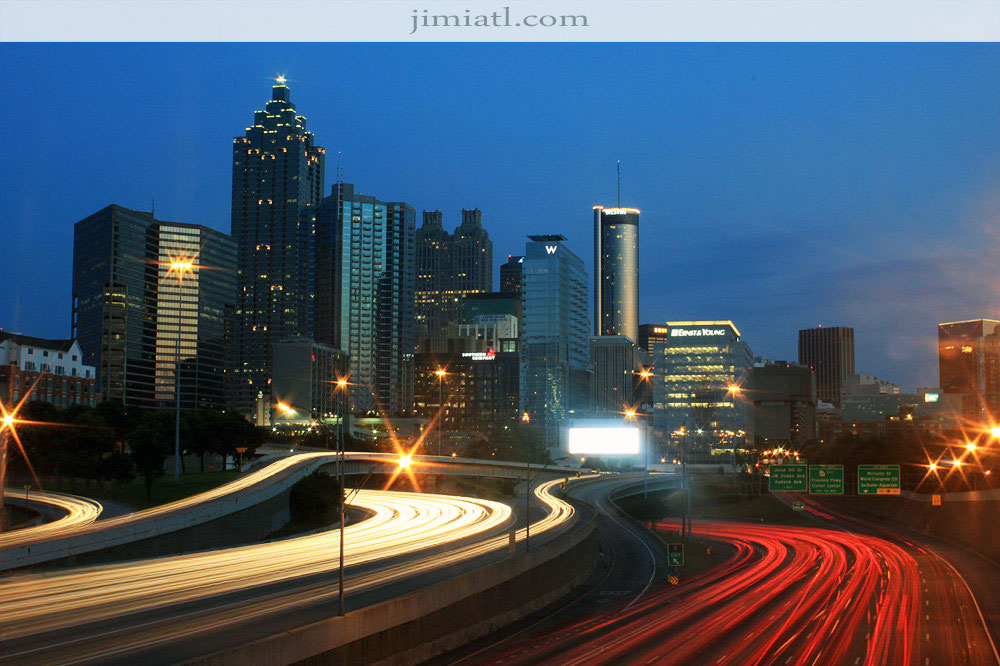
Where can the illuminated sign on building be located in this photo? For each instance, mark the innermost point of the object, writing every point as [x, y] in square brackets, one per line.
[696, 332]
[551, 249]
[931, 397]
[487, 355]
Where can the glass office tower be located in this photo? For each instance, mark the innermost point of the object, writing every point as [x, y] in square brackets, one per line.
[128, 308]
[695, 364]
[616, 272]
[277, 172]
[554, 335]
[202, 304]
[365, 274]
[114, 301]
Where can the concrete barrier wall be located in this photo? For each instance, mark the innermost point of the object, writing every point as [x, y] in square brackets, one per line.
[413, 628]
[251, 524]
[71, 548]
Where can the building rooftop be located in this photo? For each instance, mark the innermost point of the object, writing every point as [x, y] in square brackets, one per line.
[42, 343]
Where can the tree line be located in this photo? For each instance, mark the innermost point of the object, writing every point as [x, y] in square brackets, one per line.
[112, 442]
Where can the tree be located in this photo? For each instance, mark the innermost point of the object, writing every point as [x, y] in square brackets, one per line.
[148, 449]
[511, 442]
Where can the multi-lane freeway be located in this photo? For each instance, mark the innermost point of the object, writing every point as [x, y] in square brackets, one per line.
[159, 609]
[830, 594]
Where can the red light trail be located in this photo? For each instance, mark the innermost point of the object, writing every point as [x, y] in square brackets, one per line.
[800, 596]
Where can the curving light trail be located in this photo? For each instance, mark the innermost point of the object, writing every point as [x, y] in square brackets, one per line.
[402, 522]
[80, 512]
[276, 576]
[800, 596]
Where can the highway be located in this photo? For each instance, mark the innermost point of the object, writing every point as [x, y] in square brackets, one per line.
[155, 609]
[75, 514]
[805, 596]
[77, 536]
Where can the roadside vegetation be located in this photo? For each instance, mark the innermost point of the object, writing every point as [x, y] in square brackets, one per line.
[100, 451]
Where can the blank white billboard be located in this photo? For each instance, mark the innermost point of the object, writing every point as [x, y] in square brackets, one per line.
[620, 441]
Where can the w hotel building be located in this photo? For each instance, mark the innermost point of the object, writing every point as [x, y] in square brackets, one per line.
[695, 363]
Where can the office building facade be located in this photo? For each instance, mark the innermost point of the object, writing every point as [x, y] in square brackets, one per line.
[364, 304]
[781, 398]
[695, 364]
[278, 172]
[555, 376]
[969, 366]
[130, 309]
[829, 351]
[305, 379]
[616, 272]
[616, 382]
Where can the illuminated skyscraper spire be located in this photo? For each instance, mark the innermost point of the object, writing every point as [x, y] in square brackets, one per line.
[277, 172]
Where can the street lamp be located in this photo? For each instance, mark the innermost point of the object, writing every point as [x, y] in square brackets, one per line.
[441, 374]
[630, 414]
[995, 432]
[289, 410]
[734, 391]
[178, 267]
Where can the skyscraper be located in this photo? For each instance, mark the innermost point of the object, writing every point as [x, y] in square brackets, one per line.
[616, 271]
[969, 363]
[365, 273]
[432, 250]
[830, 354]
[449, 268]
[129, 308]
[510, 275]
[277, 172]
[471, 264]
[554, 335]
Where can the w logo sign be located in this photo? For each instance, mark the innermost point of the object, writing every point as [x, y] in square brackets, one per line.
[551, 249]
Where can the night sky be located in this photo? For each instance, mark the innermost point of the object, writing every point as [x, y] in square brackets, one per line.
[780, 186]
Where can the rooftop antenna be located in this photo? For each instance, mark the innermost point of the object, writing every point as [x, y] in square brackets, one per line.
[152, 206]
[340, 169]
[619, 183]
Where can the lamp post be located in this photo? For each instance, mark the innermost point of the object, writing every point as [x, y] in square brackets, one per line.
[630, 414]
[526, 419]
[287, 410]
[441, 374]
[341, 386]
[734, 392]
[6, 424]
[179, 267]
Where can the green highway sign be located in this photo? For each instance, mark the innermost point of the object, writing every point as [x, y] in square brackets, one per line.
[878, 479]
[826, 479]
[790, 478]
[798, 506]
[675, 554]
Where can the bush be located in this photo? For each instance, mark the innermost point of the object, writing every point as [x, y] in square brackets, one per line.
[313, 497]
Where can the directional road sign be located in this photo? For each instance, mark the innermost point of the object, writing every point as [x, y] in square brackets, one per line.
[826, 479]
[878, 479]
[675, 554]
[788, 478]
[798, 506]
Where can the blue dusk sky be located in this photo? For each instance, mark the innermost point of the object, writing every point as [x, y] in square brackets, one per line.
[781, 186]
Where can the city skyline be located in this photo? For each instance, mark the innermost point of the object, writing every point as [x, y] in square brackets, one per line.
[776, 245]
